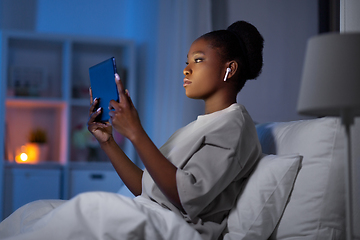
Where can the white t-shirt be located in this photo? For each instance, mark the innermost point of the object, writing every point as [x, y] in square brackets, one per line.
[214, 155]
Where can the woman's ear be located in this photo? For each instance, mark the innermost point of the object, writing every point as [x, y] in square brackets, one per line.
[233, 65]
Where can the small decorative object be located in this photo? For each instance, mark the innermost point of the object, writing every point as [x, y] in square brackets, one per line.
[22, 155]
[27, 81]
[86, 147]
[83, 139]
[38, 148]
[38, 136]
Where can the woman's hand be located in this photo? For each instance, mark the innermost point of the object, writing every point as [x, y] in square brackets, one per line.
[124, 117]
[101, 131]
[126, 169]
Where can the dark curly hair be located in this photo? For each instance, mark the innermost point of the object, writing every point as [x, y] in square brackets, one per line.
[241, 42]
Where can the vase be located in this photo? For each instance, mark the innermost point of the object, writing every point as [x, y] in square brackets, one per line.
[37, 152]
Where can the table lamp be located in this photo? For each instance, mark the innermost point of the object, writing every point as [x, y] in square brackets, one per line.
[330, 86]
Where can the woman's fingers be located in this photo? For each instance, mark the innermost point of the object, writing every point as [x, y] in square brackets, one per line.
[124, 96]
[94, 114]
[129, 98]
[94, 123]
[101, 131]
[121, 89]
[118, 107]
[94, 103]
[114, 105]
[90, 93]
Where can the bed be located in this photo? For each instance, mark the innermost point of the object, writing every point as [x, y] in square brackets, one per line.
[295, 192]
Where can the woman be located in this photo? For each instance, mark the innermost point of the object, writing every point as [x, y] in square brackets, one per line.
[197, 173]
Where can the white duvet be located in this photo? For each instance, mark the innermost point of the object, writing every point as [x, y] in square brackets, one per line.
[95, 215]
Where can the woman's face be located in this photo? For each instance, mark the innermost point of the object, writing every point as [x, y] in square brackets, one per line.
[204, 72]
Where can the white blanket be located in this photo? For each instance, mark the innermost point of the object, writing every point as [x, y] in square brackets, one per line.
[95, 215]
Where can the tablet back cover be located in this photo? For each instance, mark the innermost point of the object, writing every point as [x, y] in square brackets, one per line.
[103, 85]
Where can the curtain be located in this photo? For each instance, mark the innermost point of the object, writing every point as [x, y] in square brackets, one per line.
[180, 23]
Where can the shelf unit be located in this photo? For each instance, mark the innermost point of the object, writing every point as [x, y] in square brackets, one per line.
[44, 85]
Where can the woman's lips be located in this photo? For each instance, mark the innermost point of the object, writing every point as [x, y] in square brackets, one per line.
[186, 82]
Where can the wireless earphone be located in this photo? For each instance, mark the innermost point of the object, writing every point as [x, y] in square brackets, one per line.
[227, 73]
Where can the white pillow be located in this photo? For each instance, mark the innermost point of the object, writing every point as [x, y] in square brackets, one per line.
[316, 207]
[264, 198]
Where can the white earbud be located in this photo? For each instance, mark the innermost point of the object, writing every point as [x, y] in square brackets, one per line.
[227, 73]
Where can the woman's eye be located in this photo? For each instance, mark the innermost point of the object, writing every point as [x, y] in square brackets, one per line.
[196, 60]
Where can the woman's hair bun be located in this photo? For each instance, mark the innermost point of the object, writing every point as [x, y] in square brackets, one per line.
[254, 44]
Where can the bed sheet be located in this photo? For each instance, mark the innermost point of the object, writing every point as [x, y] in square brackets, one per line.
[95, 215]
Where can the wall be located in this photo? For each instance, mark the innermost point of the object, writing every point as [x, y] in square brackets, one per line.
[135, 19]
[18, 14]
[286, 27]
[349, 16]
[180, 23]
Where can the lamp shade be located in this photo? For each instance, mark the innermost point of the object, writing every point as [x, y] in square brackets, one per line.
[331, 75]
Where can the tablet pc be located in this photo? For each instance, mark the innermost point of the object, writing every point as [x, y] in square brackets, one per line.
[103, 86]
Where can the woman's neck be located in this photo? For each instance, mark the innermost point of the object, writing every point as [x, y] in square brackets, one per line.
[215, 106]
[220, 100]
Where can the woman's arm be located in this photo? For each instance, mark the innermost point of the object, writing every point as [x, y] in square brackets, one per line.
[161, 170]
[126, 121]
[126, 169]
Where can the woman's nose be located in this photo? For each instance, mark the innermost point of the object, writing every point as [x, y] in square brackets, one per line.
[186, 70]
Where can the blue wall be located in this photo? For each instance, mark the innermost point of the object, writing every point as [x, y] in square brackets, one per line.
[135, 19]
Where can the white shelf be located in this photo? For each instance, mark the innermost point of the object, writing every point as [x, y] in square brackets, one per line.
[35, 102]
[44, 83]
[47, 165]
